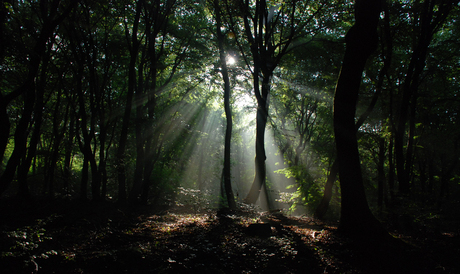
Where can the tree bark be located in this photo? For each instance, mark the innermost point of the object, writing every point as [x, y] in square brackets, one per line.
[24, 167]
[84, 179]
[361, 41]
[68, 148]
[323, 206]
[432, 17]
[266, 52]
[140, 128]
[50, 22]
[381, 174]
[261, 123]
[5, 125]
[228, 111]
[121, 161]
[28, 89]
[58, 135]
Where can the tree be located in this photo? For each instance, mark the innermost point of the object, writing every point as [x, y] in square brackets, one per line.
[270, 32]
[134, 45]
[387, 51]
[51, 15]
[356, 218]
[172, 43]
[228, 110]
[429, 19]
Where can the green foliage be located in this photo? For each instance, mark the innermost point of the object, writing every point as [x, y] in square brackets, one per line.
[291, 199]
[196, 199]
[307, 193]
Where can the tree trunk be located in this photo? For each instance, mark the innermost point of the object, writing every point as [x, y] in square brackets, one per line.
[85, 146]
[102, 168]
[68, 148]
[24, 167]
[431, 18]
[156, 16]
[121, 161]
[58, 137]
[381, 173]
[261, 123]
[228, 111]
[4, 119]
[20, 139]
[140, 128]
[84, 179]
[323, 206]
[391, 170]
[5, 126]
[28, 91]
[356, 219]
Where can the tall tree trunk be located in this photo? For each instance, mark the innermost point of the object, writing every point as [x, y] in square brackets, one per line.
[4, 120]
[261, 123]
[5, 132]
[323, 206]
[24, 167]
[84, 179]
[432, 17]
[139, 128]
[68, 149]
[228, 111]
[102, 167]
[85, 146]
[20, 139]
[361, 41]
[121, 157]
[266, 54]
[95, 178]
[58, 137]
[28, 90]
[411, 138]
[157, 23]
[381, 174]
[391, 169]
[149, 134]
[50, 22]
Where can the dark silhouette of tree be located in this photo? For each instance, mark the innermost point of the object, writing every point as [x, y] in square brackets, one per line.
[228, 111]
[429, 19]
[134, 45]
[52, 14]
[361, 41]
[270, 32]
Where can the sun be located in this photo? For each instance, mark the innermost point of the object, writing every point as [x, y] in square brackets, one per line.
[230, 60]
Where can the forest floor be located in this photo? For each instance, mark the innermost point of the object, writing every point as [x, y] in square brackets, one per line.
[71, 237]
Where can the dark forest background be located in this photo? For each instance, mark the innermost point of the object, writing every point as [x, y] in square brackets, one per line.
[209, 104]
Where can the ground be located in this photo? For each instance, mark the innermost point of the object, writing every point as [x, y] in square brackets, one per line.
[72, 237]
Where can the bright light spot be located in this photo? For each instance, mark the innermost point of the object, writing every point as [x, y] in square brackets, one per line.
[244, 100]
[230, 60]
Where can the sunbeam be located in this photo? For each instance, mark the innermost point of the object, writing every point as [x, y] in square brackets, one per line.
[279, 183]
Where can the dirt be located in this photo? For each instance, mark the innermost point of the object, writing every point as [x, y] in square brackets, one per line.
[71, 237]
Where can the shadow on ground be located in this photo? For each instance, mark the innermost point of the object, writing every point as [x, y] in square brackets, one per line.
[63, 237]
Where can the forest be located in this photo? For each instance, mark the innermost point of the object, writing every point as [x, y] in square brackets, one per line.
[229, 136]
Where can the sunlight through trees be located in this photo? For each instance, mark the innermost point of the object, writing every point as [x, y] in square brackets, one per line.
[148, 102]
